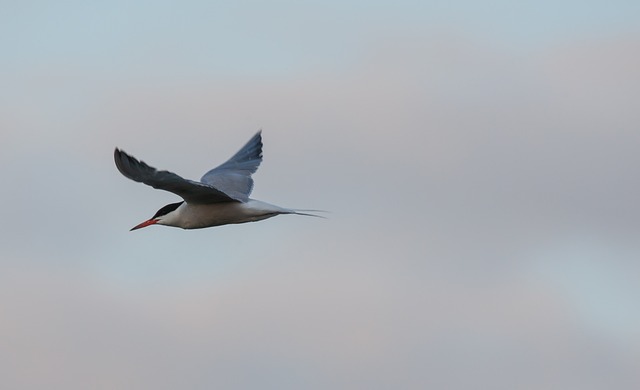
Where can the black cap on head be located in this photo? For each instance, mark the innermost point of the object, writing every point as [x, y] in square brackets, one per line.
[167, 209]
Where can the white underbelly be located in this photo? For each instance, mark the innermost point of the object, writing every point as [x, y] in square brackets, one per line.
[216, 214]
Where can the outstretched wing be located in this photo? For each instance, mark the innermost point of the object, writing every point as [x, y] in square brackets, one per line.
[190, 191]
[234, 176]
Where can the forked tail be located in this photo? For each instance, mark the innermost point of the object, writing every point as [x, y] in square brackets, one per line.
[308, 212]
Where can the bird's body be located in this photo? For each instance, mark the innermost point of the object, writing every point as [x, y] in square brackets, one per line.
[197, 216]
[221, 197]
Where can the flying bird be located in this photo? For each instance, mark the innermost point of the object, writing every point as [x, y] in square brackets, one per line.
[221, 196]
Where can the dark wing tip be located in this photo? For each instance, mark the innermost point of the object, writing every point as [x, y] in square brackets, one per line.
[123, 161]
[129, 166]
[117, 152]
[254, 146]
[248, 157]
[119, 157]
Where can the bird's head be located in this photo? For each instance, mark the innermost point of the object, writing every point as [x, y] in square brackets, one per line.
[164, 216]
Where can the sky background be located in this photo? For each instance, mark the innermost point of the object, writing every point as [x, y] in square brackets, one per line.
[479, 161]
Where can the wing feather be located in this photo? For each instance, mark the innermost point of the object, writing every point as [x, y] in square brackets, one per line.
[234, 176]
[190, 191]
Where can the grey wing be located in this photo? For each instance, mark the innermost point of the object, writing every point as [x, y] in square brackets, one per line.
[234, 176]
[190, 191]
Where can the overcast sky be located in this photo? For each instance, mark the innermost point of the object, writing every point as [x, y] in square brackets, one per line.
[480, 162]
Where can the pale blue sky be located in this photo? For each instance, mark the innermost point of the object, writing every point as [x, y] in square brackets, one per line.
[479, 160]
[265, 38]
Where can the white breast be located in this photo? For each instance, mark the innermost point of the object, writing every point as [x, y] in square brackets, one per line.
[195, 216]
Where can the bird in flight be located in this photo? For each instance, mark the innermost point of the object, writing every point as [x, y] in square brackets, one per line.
[221, 196]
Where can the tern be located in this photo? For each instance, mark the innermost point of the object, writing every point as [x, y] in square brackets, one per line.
[221, 196]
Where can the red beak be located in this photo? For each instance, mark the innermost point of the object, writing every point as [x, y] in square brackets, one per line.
[145, 224]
